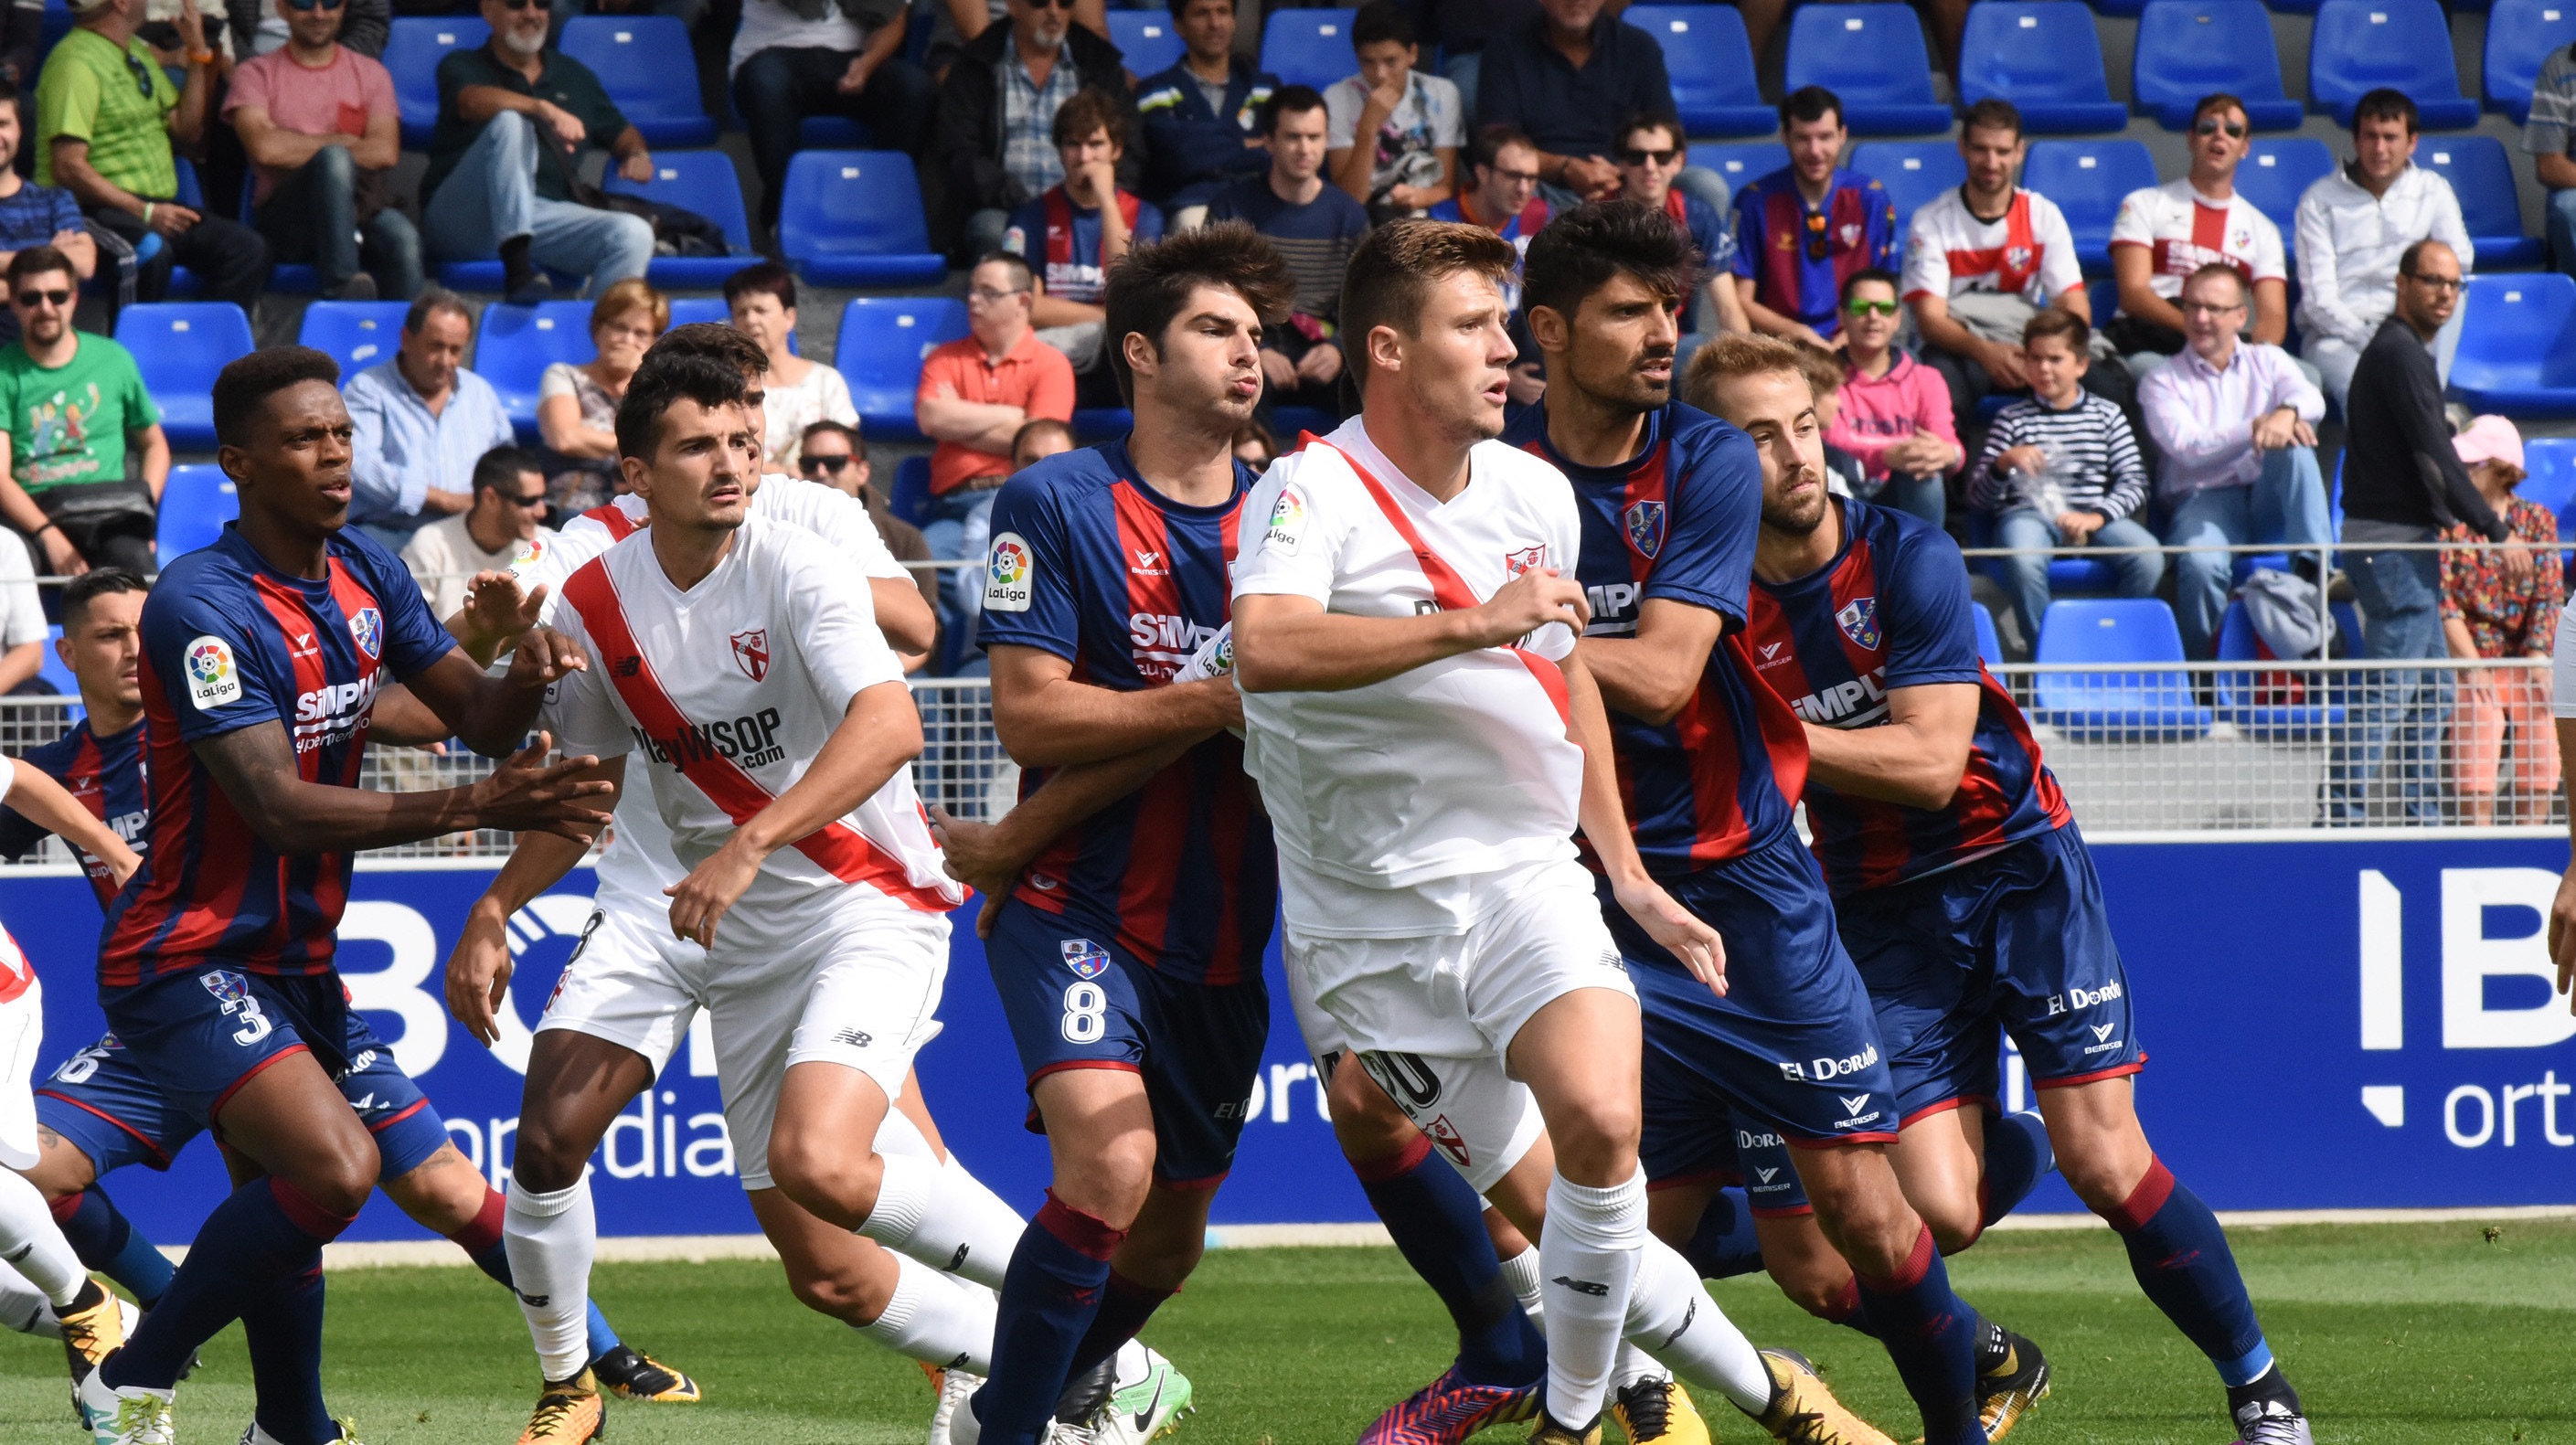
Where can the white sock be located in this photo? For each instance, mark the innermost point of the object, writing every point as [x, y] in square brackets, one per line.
[899, 1135]
[1588, 1263]
[550, 1239]
[1671, 1317]
[24, 1308]
[1634, 1364]
[31, 1241]
[1521, 1273]
[937, 1320]
[945, 1217]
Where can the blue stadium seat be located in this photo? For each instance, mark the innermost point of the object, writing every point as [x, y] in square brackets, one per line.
[2288, 708]
[518, 343]
[1150, 41]
[2551, 461]
[357, 334]
[704, 182]
[2361, 45]
[2118, 703]
[1913, 171]
[643, 61]
[2088, 179]
[2190, 48]
[2520, 35]
[2482, 176]
[687, 309]
[2044, 57]
[883, 340]
[853, 218]
[1740, 161]
[2067, 576]
[1308, 47]
[1990, 644]
[2518, 345]
[910, 498]
[179, 346]
[1871, 56]
[412, 54]
[194, 507]
[1711, 64]
[2275, 173]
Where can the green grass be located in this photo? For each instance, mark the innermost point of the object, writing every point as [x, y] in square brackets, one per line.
[2396, 1335]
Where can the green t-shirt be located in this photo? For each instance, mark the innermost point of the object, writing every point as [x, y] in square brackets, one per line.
[69, 424]
[92, 91]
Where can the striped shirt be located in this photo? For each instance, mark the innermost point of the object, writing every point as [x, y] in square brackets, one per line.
[1316, 239]
[2552, 125]
[1029, 155]
[2091, 452]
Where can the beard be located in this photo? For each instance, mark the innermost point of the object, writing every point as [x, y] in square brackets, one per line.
[1797, 518]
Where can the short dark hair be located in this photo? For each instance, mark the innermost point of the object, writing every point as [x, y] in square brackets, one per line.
[97, 582]
[2212, 270]
[716, 341]
[766, 276]
[1869, 273]
[2217, 102]
[38, 261]
[1090, 109]
[829, 427]
[1992, 113]
[2407, 259]
[1288, 100]
[1149, 286]
[2385, 104]
[1042, 426]
[503, 465]
[243, 387]
[9, 92]
[1181, 7]
[1655, 119]
[1381, 20]
[1810, 103]
[2063, 324]
[431, 299]
[1012, 259]
[1583, 249]
[664, 381]
[1489, 143]
[1391, 274]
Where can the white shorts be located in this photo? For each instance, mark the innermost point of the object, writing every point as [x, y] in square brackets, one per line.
[22, 1032]
[630, 982]
[1431, 1018]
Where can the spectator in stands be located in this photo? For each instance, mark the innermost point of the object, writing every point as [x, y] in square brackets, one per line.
[762, 298]
[515, 118]
[2164, 233]
[1316, 227]
[1040, 439]
[422, 421]
[1254, 446]
[2353, 225]
[2549, 135]
[976, 393]
[993, 143]
[106, 115]
[323, 129]
[1801, 231]
[2235, 423]
[1651, 152]
[2485, 614]
[71, 406]
[1458, 32]
[1202, 117]
[34, 215]
[1077, 230]
[2061, 470]
[1413, 123]
[1895, 414]
[1504, 198]
[2403, 483]
[1824, 372]
[577, 401]
[953, 23]
[791, 60]
[833, 453]
[500, 531]
[258, 27]
[1569, 78]
[23, 628]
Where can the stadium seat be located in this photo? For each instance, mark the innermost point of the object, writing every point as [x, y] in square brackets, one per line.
[1711, 65]
[910, 498]
[882, 343]
[2518, 346]
[853, 218]
[518, 343]
[179, 346]
[412, 54]
[2361, 45]
[1740, 161]
[195, 504]
[1150, 41]
[2190, 48]
[1308, 47]
[2118, 703]
[1913, 171]
[2482, 176]
[2551, 461]
[704, 182]
[1871, 56]
[356, 334]
[2067, 576]
[2088, 179]
[2044, 57]
[2276, 707]
[643, 61]
[2520, 35]
[688, 309]
[1990, 643]
[2275, 173]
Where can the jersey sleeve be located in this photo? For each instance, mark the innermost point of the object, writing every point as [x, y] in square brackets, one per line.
[2135, 225]
[581, 539]
[833, 624]
[2059, 271]
[1931, 634]
[1927, 261]
[580, 708]
[1298, 545]
[2269, 262]
[1749, 240]
[1707, 555]
[1030, 599]
[838, 518]
[208, 660]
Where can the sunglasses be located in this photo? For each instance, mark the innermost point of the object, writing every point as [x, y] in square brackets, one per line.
[1870, 308]
[313, 4]
[515, 6]
[528, 504]
[33, 299]
[141, 72]
[2213, 127]
[1050, 4]
[825, 463]
[2434, 283]
[1652, 158]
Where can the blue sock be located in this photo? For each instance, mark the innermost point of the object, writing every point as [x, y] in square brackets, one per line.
[494, 1259]
[2182, 1261]
[1125, 1305]
[1439, 1226]
[1931, 1335]
[264, 1234]
[108, 1242]
[1050, 1293]
[284, 1333]
[2018, 1156]
[1724, 1245]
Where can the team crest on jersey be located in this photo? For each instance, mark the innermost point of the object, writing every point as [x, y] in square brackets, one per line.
[1646, 528]
[228, 987]
[1451, 1142]
[1086, 958]
[367, 629]
[1527, 559]
[1851, 234]
[1859, 622]
[213, 680]
[751, 653]
[2016, 257]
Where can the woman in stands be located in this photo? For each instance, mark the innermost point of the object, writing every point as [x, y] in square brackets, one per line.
[577, 405]
[2486, 614]
[763, 301]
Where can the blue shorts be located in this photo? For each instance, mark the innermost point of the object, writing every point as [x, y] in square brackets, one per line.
[1752, 1157]
[1076, 1000]
[2017, 943]
[1791, 1049]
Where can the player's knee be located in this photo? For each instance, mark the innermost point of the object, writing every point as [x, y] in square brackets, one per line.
[831, 1181]
[1109, 1183]
[338, 1180]
[545, 1161]
[1596, 1138]
[1818, 1292]
[1953, 1231]
[848, 1295]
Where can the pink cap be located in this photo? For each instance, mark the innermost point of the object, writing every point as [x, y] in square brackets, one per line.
[2489, 439]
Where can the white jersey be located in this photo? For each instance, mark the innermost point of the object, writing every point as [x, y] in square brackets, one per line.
[1391, 803]
[2027, 251]
[2184, 231]
[728, 691]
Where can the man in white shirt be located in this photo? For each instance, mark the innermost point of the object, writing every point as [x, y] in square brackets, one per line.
[2164, 233]
[2352, 227]
[500, 532]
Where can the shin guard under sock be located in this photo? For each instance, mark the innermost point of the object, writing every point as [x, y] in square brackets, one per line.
[550, 1239]
[1438, 1224]
[1050, 1293]
[2181, 1259]
[262, 1235]
[1588, 1264]
[1931, 1336]
[2018, 1156]
[108, 1242]
[284, 1336]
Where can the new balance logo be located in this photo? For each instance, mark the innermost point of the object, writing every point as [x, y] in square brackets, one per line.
[1583, 1286]
[957, 1259]
[627, 666]
[859, 1039]
[534, 1301]
[1689, 1314]
[21, 1252]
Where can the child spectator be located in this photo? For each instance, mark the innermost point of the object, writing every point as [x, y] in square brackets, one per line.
[1076, 231]
[1395, 132]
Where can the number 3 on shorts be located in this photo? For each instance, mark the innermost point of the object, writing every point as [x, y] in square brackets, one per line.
[1086, 1013]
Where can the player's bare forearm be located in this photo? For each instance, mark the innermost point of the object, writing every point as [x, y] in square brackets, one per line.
[1291, 644]
[880, 734]
[903, 615]
[1045, 719]
[493, 715]
[255, 766]
[401, 720]
[42, 801]
[1604, 821]
[1068, 796]
[1654, 673]
[1915, 758]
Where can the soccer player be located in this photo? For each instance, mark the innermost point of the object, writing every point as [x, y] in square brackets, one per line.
[1427, 740]
[262, 658]
[1711, 763]
[1963, 888]
[100, 1112]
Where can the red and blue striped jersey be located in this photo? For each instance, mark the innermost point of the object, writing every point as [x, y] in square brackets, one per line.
[1679, 521]
[1092, 564]
[1890, 611]
[104, 775]
[230, 642]
[1798, 256]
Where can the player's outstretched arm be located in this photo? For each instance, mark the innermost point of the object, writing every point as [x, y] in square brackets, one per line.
[1289, 643]
[1653, 674]
[1916, 758]
[255, 766]
[497, 612]
[45, 804]
[988, 857]
[904, 615]
[1045, 719]
[1605, 824]
[493, 715]
[478, 972]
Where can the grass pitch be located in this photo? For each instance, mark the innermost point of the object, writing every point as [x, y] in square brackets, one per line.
[2395, 1335]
